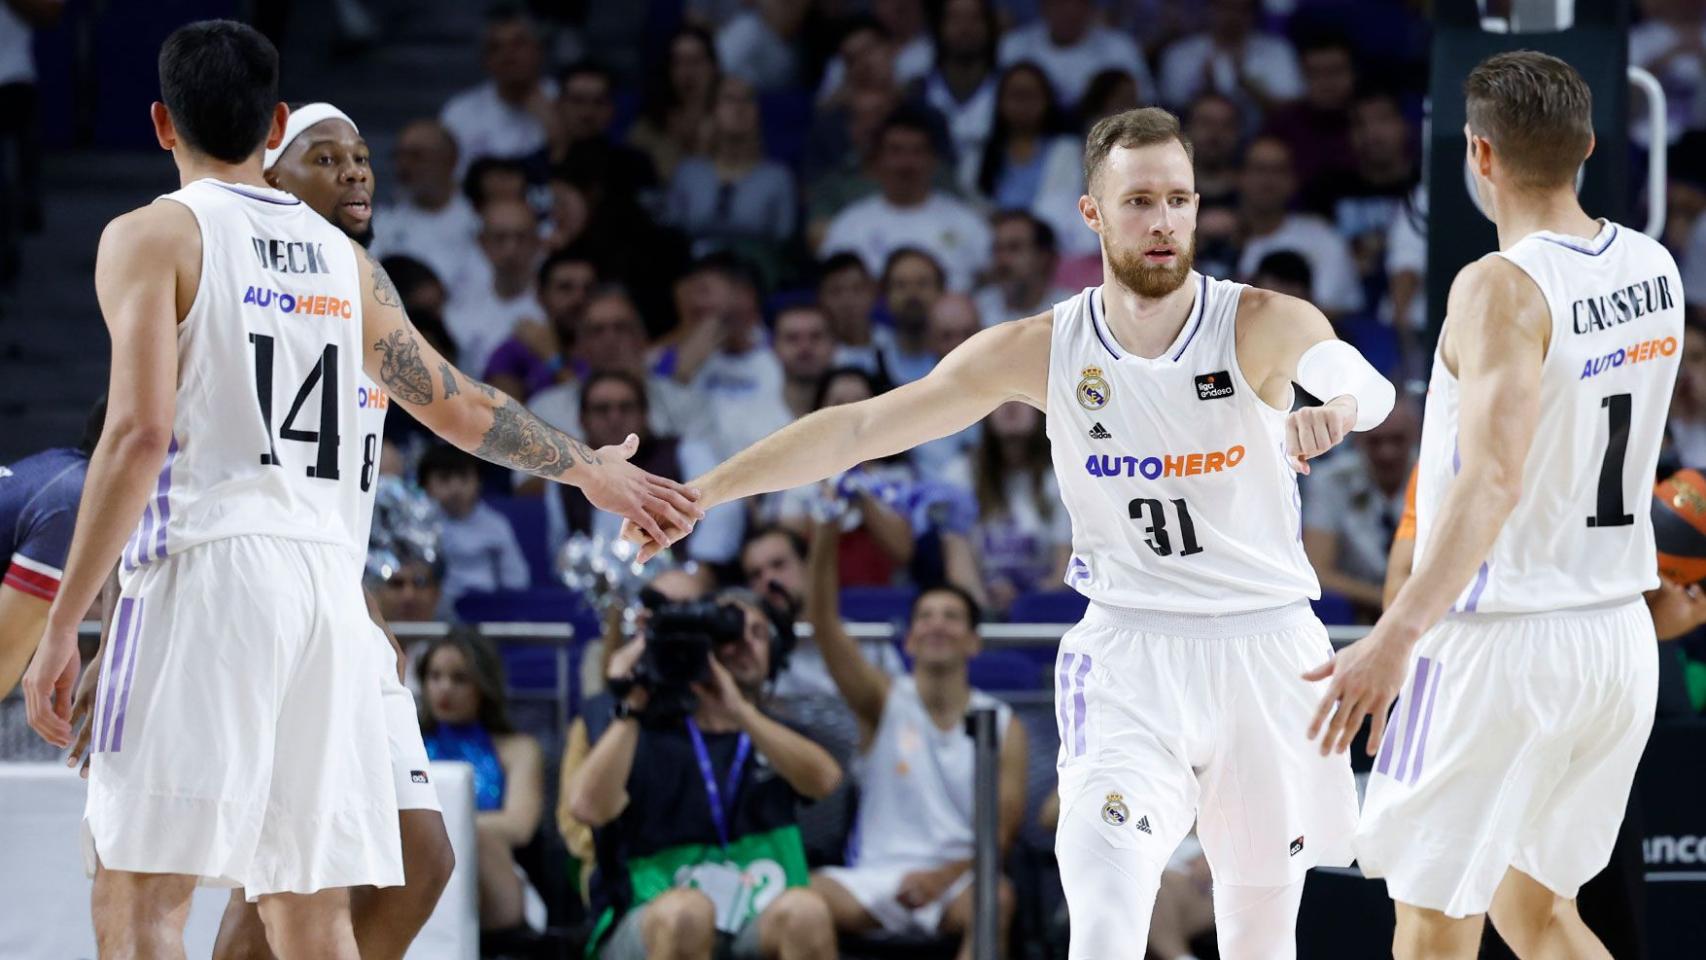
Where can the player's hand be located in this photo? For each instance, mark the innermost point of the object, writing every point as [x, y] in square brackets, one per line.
[662, 509]
[48, 684]
[1676, 609]
[1312, 431]
[722, 690]
[82, 717]
[922, 887]
[1366, 677]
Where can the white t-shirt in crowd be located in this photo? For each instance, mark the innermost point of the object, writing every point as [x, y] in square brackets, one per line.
[1407, 252]
[446, 239]
[865, 357]
[742, 393]
[1071, 68]
[914, 59]
[479, 321]
[969, 120]
[992, 305]
[943, 227]
[673, 410]
[485, 125]
[1020, 545]
[1335, 286]
[1269, 62]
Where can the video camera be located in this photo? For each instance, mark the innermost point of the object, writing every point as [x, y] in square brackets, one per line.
[679, 644]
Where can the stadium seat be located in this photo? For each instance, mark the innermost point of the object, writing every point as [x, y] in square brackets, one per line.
[876, 604]
[1001, 670]
[785, 118]
[526, 516]
[1334, 608]
[536, 605]
[1048, 606]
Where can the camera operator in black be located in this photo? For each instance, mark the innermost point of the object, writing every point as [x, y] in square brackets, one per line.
[694, 814]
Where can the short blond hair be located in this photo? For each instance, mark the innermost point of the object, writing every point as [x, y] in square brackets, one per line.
[1143, 127]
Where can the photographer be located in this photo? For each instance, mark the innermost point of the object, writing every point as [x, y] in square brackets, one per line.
[692, 791]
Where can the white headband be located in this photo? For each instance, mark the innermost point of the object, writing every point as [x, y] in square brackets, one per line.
[301, 120]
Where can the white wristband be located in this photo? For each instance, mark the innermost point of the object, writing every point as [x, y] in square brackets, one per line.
[1334, 368]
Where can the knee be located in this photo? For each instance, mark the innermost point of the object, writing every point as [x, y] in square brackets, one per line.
[1424, 934]
[801, 916]
[678, 917]
[1523, 926]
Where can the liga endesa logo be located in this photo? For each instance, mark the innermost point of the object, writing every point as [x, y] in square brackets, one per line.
[1154, 467]
[308, 305]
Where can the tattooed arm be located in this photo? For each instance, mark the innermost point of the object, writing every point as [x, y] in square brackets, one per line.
[492, 425]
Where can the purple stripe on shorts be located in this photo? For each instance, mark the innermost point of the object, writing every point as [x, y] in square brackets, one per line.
[162, 504]
[1063, 692]
[1078, 703]
[115, 663]
[144, 533]
[1475, 592]
[1419, 687]
[129, 674]
[1387, 743]
[1427, 721]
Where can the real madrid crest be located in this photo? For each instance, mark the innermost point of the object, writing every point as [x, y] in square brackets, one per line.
[1114, 811]
[1093, 392]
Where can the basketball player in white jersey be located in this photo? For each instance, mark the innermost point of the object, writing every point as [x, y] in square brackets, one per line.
[1169, 401]
[239, 737]
[1520, 652]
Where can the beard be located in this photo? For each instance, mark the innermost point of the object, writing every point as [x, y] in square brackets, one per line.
[1150, 280]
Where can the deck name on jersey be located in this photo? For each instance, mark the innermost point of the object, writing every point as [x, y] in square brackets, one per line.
[290, 256]
[1213, 386]
[1165, 465]
[1621, 305]
[1636, 353]
[311, 305]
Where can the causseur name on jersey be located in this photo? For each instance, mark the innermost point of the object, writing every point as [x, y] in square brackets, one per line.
[1213, 386]
[371, 398]
[1638, 353]
[290, 256]
[307, 305]
[1621, 305]
[1164, 465]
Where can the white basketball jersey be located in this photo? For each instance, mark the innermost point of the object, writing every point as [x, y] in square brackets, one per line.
[266, 437]
[1581, 533]
[1173, 469]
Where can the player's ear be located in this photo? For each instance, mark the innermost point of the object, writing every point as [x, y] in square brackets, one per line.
[1090, 212]
[164, 132]
[1593, 141]
[275, 132]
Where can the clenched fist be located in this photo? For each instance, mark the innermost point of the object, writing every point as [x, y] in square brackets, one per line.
[1312, 431]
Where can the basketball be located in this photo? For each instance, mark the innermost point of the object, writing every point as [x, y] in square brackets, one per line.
[1679, 526]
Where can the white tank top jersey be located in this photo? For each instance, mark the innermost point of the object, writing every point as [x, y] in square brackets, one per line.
[1172, 469]
[266, 439]
[915, 784]
[1581, 534]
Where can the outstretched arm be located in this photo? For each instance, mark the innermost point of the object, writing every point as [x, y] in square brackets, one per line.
[862, 684]
[493, 426]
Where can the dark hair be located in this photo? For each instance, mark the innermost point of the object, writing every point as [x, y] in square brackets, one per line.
[994, 161]
[408, 274]
[830, 376]
[901, 253]
[974, 612]
[618, 376]
[732, 267]
[801, 306]
[219, 81]
[1093, 102]
[1325, 39]
[991, 30]
[795, 542]
[92, 426]
[1143, 127]
[445, 460]
[488, 672]
[989, 481]
[1208, 96]
[660, 97]
[1537, 112]
[907, 117]
[587, 68]
[836, 263]
[1287, 266]
[473, 181]
[429, 323]
[576, 252]
[1042, 235]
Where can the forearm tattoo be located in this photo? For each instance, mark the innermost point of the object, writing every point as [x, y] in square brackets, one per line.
[402, 370]
[384, 290]
[521, 441]
[450, 387]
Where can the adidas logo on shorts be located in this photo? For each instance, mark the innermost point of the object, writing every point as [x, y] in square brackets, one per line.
[418, 776]
[1143, 824]
[1099, 432]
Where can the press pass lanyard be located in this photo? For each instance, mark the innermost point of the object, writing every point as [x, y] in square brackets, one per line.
[719, 814]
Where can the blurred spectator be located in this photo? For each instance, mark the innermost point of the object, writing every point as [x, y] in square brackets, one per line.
[464, 716]
[909, 859]
[1109, 92]
[761, 43]
[728, 365]
[1363, 202]
[905, 32]
[431, 221]
[1231, 57]
[20, 138]
[1216, 131]
[478, 545]
[609, 337]
[424, 298]
[1267, 187]
[538, 354]
[848, 295]
[912, 283]
[483, 316]
[508, 115]
[1670, 42]
[1352, 504]
[1406, 306]
[614, 404]
[1023, 538]
[414, 591]
[953, 319]
[569, 214]
[1283, 271]
[1029, 162]
[1021, 272]
[773, 561]
[962, 85]
[491, 180]
[1069, 46]
[733, 195]
[1317, 127]
[675, 120]
[1685, 431]
[804, 349]
[585, 109]
[908, 212]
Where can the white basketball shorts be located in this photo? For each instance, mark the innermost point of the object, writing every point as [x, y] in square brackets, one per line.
[240, 735]
[409, 763]
[1513, 743]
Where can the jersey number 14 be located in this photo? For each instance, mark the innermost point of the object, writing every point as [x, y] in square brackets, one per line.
[325, 439]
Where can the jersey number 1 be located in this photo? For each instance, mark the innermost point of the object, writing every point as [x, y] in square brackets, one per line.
[325, 439]
[1610, 506]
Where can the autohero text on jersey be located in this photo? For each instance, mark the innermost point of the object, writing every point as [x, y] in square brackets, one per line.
[1154, 467]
